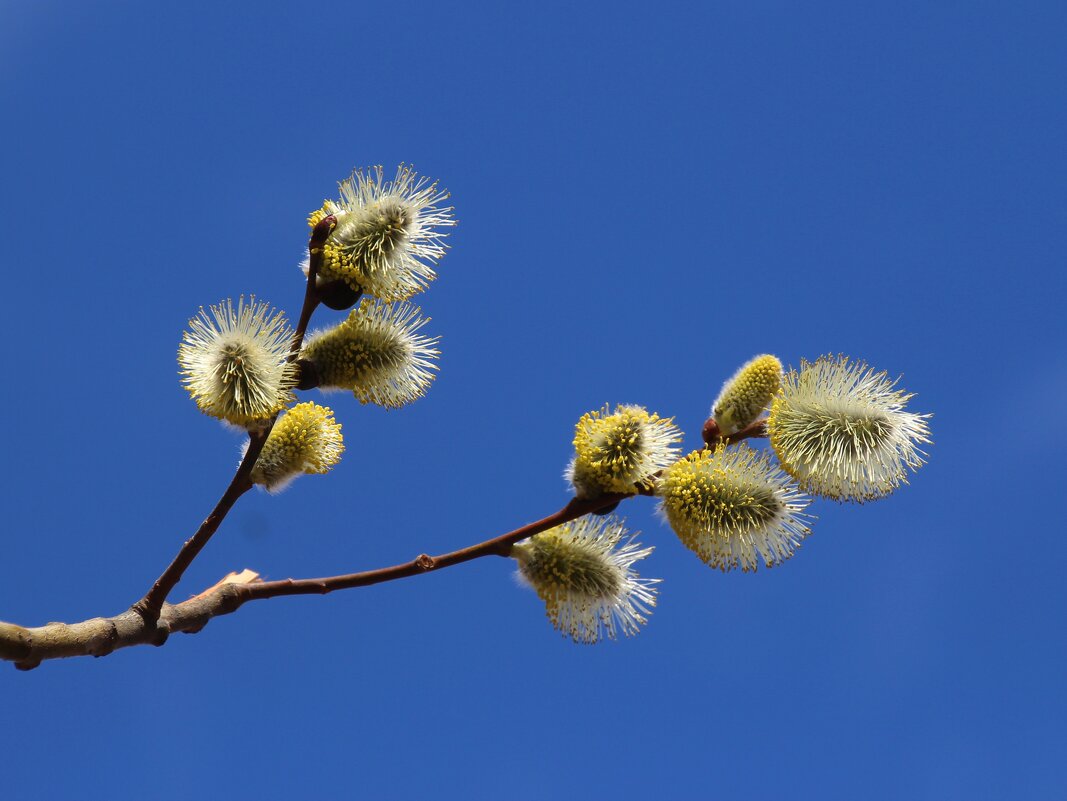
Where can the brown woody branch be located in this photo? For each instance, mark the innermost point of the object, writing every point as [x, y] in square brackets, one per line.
[423, 563]
[28, 647]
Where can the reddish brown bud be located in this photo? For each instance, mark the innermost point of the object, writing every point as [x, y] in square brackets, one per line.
[711, 433]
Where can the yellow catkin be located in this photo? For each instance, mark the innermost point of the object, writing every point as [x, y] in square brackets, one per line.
[621, 451]
[305, 440]
[319, 214]
[377, 353]
[747, 393]
[389, 233]
[733, 507]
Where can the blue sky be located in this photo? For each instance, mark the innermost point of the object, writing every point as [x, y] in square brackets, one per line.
[647, 196]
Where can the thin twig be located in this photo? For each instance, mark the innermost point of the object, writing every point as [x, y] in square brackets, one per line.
[312, 299]
[498, 546]
[150, 606]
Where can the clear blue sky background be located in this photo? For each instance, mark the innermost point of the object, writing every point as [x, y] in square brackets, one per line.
[648, 195]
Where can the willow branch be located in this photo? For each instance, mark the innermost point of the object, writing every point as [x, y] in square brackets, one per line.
[151, 605]
[28, 647]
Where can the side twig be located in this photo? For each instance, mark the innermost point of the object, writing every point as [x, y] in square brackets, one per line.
[423, 563]
[151, 605]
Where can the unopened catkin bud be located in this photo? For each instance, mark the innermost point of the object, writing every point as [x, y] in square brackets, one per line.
[746, 394]
[306, 439]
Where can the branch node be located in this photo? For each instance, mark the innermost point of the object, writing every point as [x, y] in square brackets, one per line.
[107, 643]
[425, 562]
[161, 633]
[147, 614]
[231, 598]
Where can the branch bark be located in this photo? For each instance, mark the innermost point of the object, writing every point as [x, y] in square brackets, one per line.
[100, 636]
[29, 647]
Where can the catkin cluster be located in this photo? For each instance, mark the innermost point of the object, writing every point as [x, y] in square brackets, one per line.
[836, 428]
[244, 364]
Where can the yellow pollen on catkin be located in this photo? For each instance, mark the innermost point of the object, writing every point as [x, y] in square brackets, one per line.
[319, 214]
[747, 393]
[620, 451]
[389, 234]
[733, 507]
[306, 439]
[377, 353]
[338, 264]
